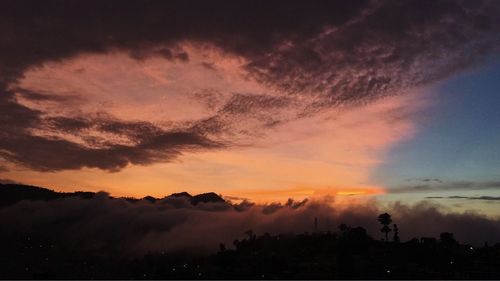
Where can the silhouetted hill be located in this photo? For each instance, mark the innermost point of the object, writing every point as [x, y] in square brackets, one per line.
[13, 193]
[206, 198]
[210, 197]
[150, 199]
[180, 194]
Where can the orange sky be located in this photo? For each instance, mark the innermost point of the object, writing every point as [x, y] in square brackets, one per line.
[333, 152]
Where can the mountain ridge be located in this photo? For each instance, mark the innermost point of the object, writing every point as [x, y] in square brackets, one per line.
[11, 193]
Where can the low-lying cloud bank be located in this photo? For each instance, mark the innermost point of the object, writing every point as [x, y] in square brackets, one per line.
[119, 227]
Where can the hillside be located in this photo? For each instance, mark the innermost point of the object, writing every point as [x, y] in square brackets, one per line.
[13, 193]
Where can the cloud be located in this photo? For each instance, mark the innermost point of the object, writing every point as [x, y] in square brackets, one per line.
[8, 181]
[323, 154]
[44, 154]
[427, 180]
[318, 55]
[118, 227]
[486, 198]
[385, 50]
[145, 143]
[447, 186]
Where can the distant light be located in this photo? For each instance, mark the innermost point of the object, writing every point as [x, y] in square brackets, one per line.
[388, 271]
[471, 248]
[451, 262]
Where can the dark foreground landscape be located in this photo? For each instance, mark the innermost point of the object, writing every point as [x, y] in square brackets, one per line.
[346, 253]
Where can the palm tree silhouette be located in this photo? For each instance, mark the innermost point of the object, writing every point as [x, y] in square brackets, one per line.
[385, 220]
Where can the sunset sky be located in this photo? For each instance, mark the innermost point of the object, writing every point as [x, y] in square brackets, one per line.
[265, 100]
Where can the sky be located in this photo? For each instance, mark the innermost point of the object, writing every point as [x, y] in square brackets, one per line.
[455, 152]
[394, 100]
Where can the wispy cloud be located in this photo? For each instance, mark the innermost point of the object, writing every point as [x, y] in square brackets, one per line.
[8, 181]
[447, 186]
[427, 180]
[486, 198]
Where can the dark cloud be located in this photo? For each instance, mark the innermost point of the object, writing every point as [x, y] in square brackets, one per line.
[146, 142]
[208, 65]
[33, 30]
[486, 198]
[252, 104]
[336, 51]
[237, 198]
[436, 180]
[447, 186]
[36, 96]
[45, 154]
[149, 144]
[391, 47]
[8, 181]
[117, 226]
[172, 54]
[428, 219]
[290, 203]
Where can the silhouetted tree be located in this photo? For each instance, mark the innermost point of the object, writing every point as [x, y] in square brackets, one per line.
[343, 227]
[447, 239]
[236, 243]
[414, 241]
[250, 234]
[396, 233]
[385, 220]
[222, 247]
